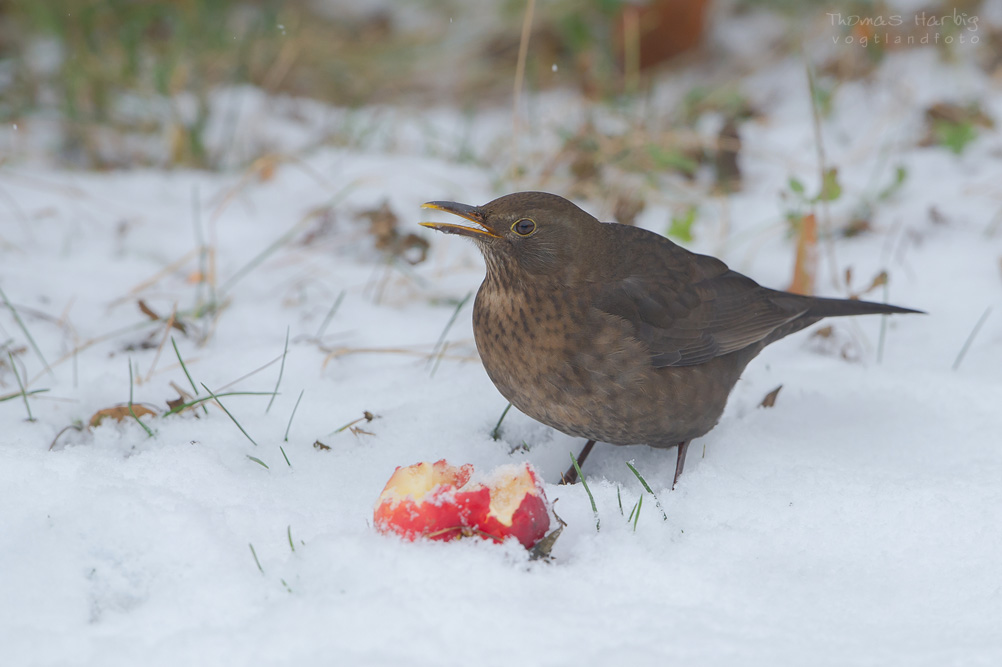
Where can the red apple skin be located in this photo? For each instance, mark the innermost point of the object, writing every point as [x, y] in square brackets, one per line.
[434, 501]
[529, 523]
[442, 514]
[426, 499]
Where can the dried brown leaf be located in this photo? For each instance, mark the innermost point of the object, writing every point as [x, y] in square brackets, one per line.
[544, 547]
[152, 314]
[120, 413]
[627, 208]
[770, 398]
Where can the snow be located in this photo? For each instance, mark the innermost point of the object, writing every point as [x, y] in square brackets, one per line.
[857, 522]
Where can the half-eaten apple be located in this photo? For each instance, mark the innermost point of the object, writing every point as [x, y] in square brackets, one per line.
[438, 501]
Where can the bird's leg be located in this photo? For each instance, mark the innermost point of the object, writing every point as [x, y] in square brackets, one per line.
[571, 476]
[680, 461]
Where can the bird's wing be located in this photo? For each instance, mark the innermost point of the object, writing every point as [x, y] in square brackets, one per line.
[687, 323]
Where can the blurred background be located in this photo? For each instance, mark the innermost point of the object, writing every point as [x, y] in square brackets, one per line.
[103, 84]
[663, 104]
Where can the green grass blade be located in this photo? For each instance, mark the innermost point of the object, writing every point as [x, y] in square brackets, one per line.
[281, 370]
[23, 394]
[258, 461]
[294, 408]
[330, 314]
[883, 331]
[256, 561]
[132, 412]
[282, 449]
[27, 334]
[648, 488]
[970, 338]
[186, 374]
[288, 531]
[279, 242]
[203, 399]
[18, 394]
[448, 325]
[594, 507]
[228, 414]
[496, 433]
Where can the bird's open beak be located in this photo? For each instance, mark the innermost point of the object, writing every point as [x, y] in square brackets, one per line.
[471, 213]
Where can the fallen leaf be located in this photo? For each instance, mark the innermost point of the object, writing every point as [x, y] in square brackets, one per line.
[542, 550]
[770, 398]
[152, 314]
[120, 413]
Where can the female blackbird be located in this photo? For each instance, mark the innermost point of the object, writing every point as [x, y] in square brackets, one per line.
[614, 333]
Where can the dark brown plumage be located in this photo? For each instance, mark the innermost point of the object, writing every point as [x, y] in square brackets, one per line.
[614, 333]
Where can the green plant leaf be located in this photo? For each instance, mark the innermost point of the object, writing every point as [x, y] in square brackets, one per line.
[681, 226]
[830, 187]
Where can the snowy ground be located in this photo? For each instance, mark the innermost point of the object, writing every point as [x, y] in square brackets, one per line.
[859, 521]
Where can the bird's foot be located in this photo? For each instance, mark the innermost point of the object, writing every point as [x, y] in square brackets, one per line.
[571, 476]
[680, 462]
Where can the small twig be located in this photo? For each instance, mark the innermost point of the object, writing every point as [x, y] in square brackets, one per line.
[366, 416]
[281, 369]
[163, 341]
[631, 48]
[344, 351]
[826, 221]
[228, 414]
[155, 278]
[256, 261]
[970, 338]
[294, 408]
[203, 250]
[72, 354]
[523, 52]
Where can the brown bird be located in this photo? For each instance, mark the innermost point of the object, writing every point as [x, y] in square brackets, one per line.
[614, 333]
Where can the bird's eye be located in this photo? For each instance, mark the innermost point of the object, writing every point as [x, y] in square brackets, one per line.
[524, 227]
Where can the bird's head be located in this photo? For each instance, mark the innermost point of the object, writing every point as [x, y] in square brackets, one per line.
[537, 233]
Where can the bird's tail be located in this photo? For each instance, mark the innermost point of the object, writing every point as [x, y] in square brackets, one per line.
[821, 307]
